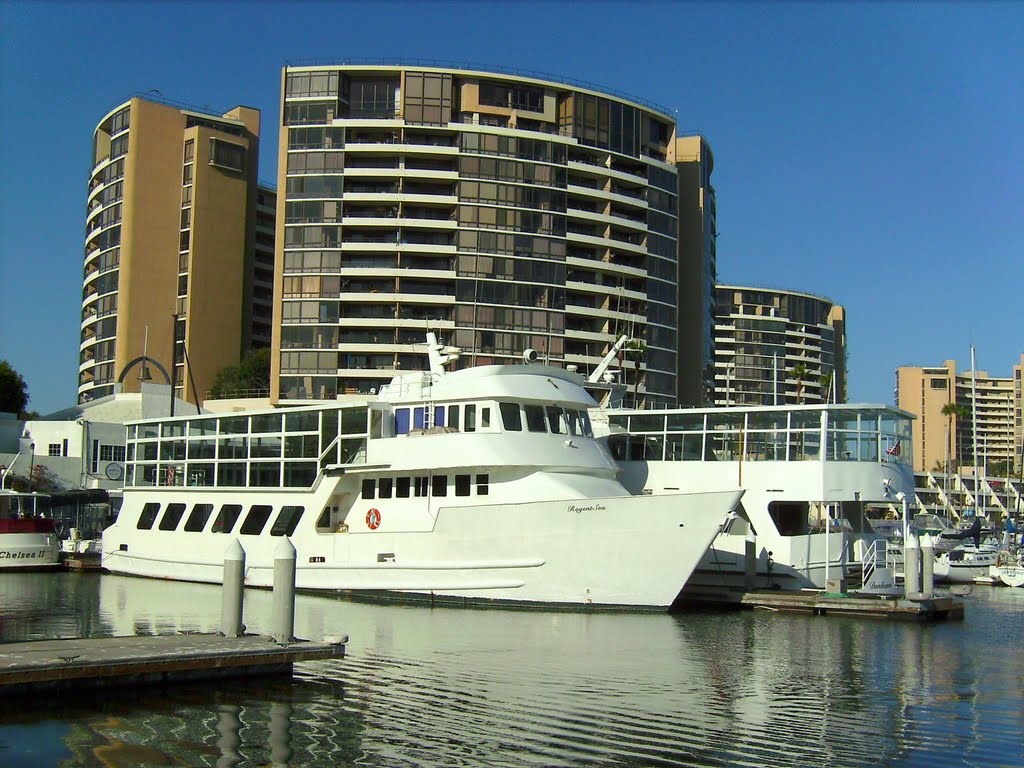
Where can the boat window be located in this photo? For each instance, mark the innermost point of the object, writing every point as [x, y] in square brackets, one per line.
[148, 516]
[198, 517]
[265, 475]
[453, 416]
[485, 417]
[402, 421]
[439, 416]
[418, 418]
[573, 419]
[256, 519]
[535, 418]
[376, 423]
[265, 447]
[439, 485]
[266, 422]
[790, 517]
[323, 523]
[587, 429]
[511, 419]
[286, 522]
[556, 420]
[683, 447]
[299, 474]
[402, 487]
[617, 446]
[384, 490]
[462, 485]
[421, 486]
[231, 474]
[470, 418]
[302, 421]
[369, 489]
[482, 484]
[226, 518]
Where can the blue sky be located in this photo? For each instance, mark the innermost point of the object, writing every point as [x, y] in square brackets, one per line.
[870, 153]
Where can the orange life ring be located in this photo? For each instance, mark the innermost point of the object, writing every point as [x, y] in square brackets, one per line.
[373, 519]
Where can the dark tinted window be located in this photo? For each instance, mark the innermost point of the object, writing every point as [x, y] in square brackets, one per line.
[256, 519]
[148, 516]
[197, 519]
[462, 485]
[439, 485]
[286, 521]
[226, 518]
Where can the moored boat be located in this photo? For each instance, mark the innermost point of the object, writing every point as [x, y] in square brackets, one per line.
[485, 484]
[28, 540]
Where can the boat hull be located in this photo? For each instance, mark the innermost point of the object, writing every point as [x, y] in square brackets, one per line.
[28, 551]
[615, 552]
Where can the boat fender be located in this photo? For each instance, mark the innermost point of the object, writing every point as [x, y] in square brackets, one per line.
[373, 519]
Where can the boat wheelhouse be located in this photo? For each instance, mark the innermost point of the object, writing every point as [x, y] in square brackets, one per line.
[811, 475]
[482, 484]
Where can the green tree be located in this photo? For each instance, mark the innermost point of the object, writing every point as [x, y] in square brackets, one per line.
[13, 390]
[251, 374]
[954, 413]
[799, 371]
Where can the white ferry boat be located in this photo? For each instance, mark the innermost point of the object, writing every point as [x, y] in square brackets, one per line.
[484, 484]
[28, 540]
[809, 474]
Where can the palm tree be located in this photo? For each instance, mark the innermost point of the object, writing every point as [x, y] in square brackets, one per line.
[826, 386]
[953, 413]
[799, 371]
[637, 347]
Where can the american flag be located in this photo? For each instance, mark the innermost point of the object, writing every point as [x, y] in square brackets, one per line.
[894, 449]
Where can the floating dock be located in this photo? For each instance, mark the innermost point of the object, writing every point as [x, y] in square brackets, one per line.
[816, 603]
[57, 665]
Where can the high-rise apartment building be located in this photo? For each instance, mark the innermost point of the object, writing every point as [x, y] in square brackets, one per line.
[944, 440]
[171, 244]
[504, 212]
[698, 271]
[774, 346]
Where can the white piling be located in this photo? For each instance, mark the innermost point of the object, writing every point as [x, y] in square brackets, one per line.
[927, 565]
[911, 566]
[283, 616]
[234, 585]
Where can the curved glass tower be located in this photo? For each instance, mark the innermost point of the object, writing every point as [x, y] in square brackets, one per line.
[503, 212]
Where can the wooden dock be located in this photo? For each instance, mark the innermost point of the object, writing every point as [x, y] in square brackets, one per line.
[56, 665]
[816, 603]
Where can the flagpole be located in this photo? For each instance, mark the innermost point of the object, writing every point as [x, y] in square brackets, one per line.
[974, 418]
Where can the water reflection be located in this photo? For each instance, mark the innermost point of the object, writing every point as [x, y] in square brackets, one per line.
[438, 686]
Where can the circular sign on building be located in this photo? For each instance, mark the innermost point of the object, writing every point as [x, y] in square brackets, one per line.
[114, 471]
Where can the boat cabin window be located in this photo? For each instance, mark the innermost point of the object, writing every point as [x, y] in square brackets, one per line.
[535, 418]
[556, 420]
[172, 516]
[421, 486]
[790, 517]
[470, 418]
[369, 489]
[511, 418]
[453, 416]
[148, 516]
[485, 417]
[226, 518]
[402, 487]
[255, 520]
[482, 484]
[385, 487]
[286, 522]
[439, 485]
[439, 415]
[198, 517]
[462, 485]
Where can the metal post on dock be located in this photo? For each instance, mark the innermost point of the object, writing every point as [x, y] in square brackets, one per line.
[234, 585]
[927, 565]
[911, 566]
[283, 618]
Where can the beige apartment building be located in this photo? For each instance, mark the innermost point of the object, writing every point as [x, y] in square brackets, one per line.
[178, 248]
[503, 212]
[939, 438]
[778, 347]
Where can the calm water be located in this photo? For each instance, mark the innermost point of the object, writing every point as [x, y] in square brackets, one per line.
[448, 687]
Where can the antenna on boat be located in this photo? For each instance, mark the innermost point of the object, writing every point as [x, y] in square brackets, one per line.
[439, 356]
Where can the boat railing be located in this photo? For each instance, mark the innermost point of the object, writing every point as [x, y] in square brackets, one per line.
[877, 567]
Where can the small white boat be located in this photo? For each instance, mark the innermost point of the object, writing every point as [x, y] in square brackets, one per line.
[28, 540]
[965, 564]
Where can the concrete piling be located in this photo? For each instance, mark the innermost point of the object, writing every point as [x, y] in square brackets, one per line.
[283, 615]
[234, 585]
[927, 565]
[911, 566]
